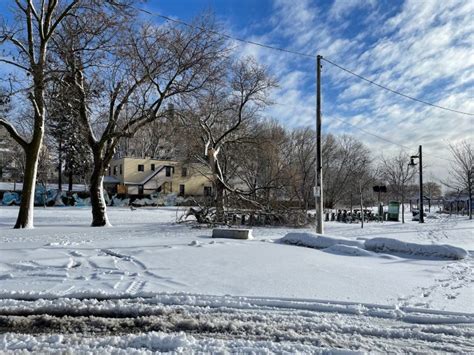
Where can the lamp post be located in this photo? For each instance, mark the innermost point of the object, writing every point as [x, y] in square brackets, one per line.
[412, 163]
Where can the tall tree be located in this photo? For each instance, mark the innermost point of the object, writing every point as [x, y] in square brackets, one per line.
[28, 44]
[124, 83]
[461, 173]
[222, 113]
[398, 175]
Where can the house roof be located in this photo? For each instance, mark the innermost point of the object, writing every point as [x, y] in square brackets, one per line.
[149, 177]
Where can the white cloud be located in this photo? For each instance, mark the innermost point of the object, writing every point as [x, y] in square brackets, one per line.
[423, 49]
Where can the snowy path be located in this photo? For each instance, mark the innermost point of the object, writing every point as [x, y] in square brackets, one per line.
[145, 253]
[218, 323]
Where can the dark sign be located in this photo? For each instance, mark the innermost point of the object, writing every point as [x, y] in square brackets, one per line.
[381, 188]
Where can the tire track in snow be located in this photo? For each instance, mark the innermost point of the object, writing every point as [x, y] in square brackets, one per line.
[252, 319]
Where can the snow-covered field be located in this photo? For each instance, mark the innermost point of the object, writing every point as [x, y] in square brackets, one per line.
[146, 255]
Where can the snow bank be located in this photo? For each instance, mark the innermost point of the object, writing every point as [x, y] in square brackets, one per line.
[341, 249]
[343, 246]
[388, 245]
[318, 241]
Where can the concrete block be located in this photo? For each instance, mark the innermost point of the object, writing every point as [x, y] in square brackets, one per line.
[232, 233]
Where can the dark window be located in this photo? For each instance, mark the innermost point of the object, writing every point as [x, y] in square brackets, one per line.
[141, 167]
[152, 167]
[168, 171]
[140, 189]
[184, 172]
[120, 169]
[181, 190]
[115, 170]
[207, 191]
[109, 170]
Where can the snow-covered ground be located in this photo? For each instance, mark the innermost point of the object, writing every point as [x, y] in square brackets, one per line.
[145, 254]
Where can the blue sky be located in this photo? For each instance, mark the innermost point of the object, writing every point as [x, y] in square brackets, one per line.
[422, 48]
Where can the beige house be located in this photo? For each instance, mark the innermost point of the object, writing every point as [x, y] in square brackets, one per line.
[136, 176]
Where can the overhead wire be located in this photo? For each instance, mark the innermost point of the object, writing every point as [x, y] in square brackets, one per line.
[307, 55]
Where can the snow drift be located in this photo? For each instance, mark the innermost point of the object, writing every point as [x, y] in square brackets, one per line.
[318, 241]
[388, 245]
[345, 246]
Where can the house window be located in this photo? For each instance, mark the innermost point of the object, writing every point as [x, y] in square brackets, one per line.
[115, 170]
[109, 171]
[181, 190]
[152, 167]
[207, 191]
[141, 167]
[184, 172]
[120, 169]
[168, 171]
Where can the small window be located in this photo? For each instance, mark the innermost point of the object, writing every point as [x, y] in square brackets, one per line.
[109, 171]
[184, 172]
[115, 170]
[152, 167]
[207, 191]
[168, 171]
[120, 169]
[141, 167]
[181, 190]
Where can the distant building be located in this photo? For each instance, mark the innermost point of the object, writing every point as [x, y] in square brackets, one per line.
[137, 176]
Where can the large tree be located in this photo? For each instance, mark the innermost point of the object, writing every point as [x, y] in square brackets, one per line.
[124, 75]
[461, 173]
[27, 43]
[222, 115]
[398, 175]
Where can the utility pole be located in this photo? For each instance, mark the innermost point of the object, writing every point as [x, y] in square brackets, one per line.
[420, 157]
[318, 189]
[421, 218]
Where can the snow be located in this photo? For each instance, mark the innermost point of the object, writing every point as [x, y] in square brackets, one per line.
[318, 241]
[389, 245]
[378, 245]
[205, 323]
[147, 260]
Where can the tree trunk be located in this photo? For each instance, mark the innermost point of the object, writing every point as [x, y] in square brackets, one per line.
[99, 214]
[219, 186]
[219, 201]
[25, 214]
[470, 203]
[70, 181]
[403, 209]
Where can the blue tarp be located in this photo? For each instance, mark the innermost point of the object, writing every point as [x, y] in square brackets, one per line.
[11, 198]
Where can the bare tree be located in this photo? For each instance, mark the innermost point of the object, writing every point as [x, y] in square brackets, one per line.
[127, 74]
[29, 39]
[222, 114]
[462, 170]
[398, 175]
[345, 161]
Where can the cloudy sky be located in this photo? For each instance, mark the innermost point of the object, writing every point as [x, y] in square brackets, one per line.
[422, 48]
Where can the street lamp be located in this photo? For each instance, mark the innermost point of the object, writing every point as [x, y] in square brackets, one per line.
[412, 163]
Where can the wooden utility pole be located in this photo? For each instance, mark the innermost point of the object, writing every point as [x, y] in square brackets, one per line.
[420, 160]
[318, 189]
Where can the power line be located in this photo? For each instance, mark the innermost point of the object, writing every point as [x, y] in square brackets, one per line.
[394, 91]
[224, 35]
[314, 57]
[404, 147]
